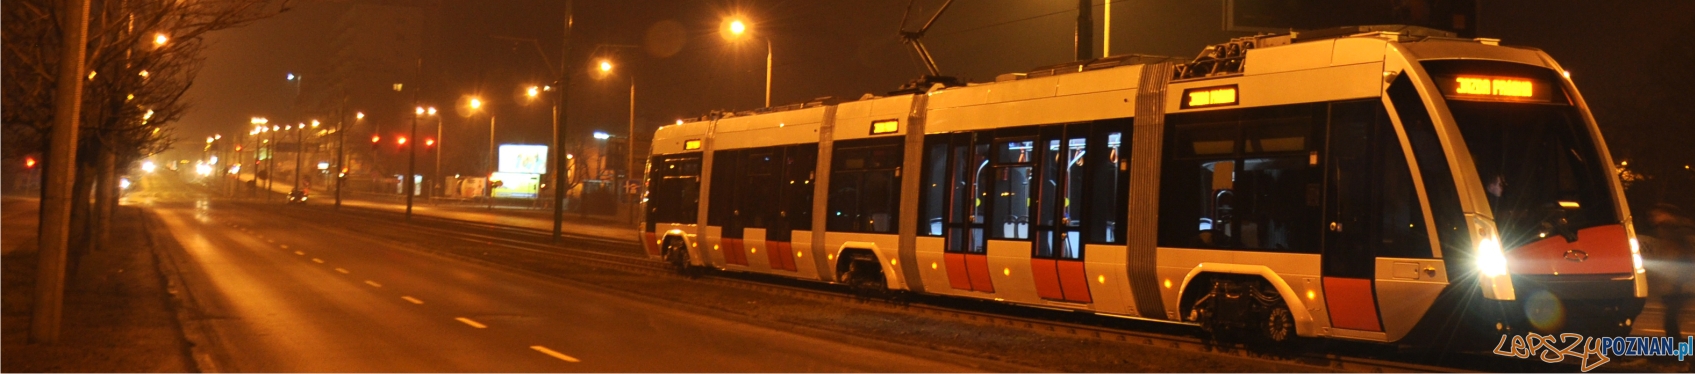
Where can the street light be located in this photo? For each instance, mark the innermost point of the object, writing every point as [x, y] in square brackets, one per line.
[737, 28]
[159, 39]
[493, 160]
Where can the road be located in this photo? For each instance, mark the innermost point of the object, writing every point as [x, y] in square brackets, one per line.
[282, 295]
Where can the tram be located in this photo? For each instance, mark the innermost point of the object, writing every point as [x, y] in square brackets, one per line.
[1363, 183]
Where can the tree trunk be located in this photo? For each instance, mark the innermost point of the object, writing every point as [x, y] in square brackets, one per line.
[81, 190]
[105, 198]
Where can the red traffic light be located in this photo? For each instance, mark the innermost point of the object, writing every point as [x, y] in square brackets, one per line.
[429, 143]
[376, 138]
[29, 162]
[400, 141]
[238, 148]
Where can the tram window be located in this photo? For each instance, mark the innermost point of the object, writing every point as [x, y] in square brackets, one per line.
[1263, 194]
[723, 209]
[675, 196]
[1370, 196]
[1009, 188]
[800, 164]
[760, 188]
[865, 187]
[1107, 161]
[1433, 168]
[933, 191]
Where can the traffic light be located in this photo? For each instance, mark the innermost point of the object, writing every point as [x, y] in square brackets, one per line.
[238, 148]
[375, 141]
[429, 144]
[400, 142]
[29, 162]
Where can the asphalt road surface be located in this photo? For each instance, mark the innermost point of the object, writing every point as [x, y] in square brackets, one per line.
[274, 296]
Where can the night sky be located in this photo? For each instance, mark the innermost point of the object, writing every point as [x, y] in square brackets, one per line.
[1630, 59]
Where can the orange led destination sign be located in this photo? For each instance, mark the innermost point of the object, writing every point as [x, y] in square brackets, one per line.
[1209, 97]
[1496, 88]
[887, 126]
[691, 144]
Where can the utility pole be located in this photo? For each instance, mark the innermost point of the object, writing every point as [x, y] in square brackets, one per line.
[630, 148]
[408, 183]
[340, 150]
[559, 126]
[61, 172]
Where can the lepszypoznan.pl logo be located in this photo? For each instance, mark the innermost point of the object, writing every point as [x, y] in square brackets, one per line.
[1593, 351]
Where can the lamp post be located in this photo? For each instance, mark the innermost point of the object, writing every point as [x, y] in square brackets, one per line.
[738, 28]
[341, 154]
[493, 160]
[411, 180]
[434, 145]
[300, 150]
[630, 136]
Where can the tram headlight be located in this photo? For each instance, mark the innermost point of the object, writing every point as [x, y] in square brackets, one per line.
[1636, 255]
[1490, 260]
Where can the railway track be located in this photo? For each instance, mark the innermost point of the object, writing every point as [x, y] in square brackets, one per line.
[624, 256]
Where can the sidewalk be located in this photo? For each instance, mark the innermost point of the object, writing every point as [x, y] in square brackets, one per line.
[525, 217]
[117, 315]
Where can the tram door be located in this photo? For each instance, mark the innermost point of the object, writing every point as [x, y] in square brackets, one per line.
[966, 251]
[1371, 210]
[1057, 262]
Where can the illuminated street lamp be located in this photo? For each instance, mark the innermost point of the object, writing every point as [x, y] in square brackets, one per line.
[160, 39]
[493, 161]
[737, 28]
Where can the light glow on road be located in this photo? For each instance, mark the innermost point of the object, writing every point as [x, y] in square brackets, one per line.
[468, 321]
[557, 355]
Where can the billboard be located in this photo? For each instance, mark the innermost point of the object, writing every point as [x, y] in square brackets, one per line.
[519, 185]
[522, 158]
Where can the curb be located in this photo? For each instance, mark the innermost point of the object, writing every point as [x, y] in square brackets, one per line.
[201, 342]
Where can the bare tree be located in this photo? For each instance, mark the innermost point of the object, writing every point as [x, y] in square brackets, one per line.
[141, 57]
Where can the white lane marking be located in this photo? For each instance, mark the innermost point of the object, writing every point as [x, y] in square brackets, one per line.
[414, 301]
[270, 241]
[340, 270]
[299, 253]
[468, 321]
[285, 246]
[557, 355]
[374, 284]
[317, 261]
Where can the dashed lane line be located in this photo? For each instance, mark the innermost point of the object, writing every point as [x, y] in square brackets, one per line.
[340, 270]
[555, 354]
[468, 321]
[412, 300]
[285, 246]
[299, 253]
[317, 260]
[374, 284]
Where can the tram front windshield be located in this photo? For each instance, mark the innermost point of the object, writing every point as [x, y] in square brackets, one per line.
[1539, 166]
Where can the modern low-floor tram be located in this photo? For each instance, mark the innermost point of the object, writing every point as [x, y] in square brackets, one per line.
[1365, 184]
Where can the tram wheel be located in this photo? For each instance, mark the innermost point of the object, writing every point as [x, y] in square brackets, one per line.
[866, 280]
[1280, 324]
[677, 255]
